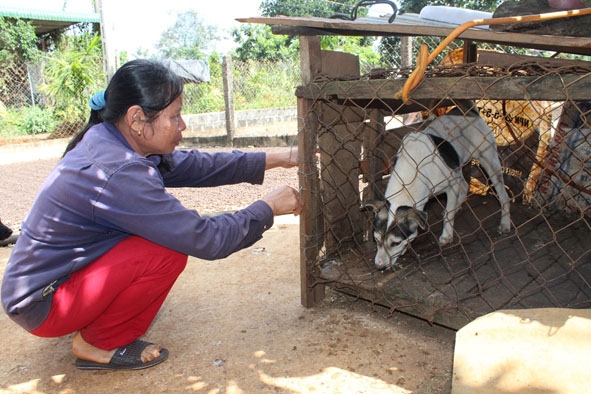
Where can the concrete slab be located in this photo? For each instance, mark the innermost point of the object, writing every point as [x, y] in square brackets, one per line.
[524, 351]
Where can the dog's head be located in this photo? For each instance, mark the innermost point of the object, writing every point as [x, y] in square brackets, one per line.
[394, 230]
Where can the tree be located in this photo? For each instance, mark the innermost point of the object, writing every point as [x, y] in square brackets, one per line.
[18, 42]
[188, 38]
[259, 43]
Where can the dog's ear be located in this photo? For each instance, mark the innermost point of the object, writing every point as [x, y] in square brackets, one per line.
[411, 217]
[419, 217]
[374, 205]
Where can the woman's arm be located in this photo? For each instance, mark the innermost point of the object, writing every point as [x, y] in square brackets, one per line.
[282, 159]
[193, 168]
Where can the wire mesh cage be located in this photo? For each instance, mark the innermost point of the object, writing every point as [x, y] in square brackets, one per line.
[354, 133]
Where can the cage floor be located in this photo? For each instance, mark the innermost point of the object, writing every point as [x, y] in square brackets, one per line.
[544, 262]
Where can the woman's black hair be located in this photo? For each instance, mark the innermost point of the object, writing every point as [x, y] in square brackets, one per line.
[147, 83]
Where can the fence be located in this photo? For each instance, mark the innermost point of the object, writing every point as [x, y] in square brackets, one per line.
[539, 115]
[244, 86]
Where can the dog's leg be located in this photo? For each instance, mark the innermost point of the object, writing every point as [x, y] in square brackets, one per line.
[456, 195]
[492, 166]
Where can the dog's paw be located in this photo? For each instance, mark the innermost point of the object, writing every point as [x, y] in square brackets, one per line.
[445, 239]
[504, 228]
[505, 225]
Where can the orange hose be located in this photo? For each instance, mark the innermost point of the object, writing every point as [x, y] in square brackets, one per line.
[417, 75]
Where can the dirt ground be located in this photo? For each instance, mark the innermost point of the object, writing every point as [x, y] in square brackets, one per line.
[236, 325]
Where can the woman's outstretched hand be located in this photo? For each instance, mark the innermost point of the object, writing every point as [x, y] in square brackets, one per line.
[283, 200]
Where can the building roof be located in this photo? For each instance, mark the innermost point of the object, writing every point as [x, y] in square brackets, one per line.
[46, 21]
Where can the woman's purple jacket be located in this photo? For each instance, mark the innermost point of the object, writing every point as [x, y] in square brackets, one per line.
[101, 192]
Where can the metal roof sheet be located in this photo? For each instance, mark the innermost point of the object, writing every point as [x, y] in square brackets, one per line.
[49, 20]
[190, 71]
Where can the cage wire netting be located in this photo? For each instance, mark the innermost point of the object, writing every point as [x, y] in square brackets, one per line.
[542, 127]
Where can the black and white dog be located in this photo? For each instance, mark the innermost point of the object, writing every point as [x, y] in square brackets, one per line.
[428, 163]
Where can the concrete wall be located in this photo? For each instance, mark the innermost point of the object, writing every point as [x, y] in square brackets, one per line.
[246, 118]
[49, 149]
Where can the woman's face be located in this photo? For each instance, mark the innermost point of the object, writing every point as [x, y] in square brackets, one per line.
[164, 133]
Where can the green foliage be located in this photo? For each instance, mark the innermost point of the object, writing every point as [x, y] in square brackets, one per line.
[256, 85]
[35, 120]
[206, 97]
[257, 42]
[73, 75]
[18, 42]
[359, 46]
[265, 85]
[188, 38]
[25, 121]
[8, 124]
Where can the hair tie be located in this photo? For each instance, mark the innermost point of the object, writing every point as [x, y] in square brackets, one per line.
[97, 102]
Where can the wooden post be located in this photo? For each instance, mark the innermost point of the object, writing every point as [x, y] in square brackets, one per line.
[406, 44]
[310, 62]
[406, 60]
[374, 157]
[314, 118]
[470, 52]
[311, 225]
[229, 99]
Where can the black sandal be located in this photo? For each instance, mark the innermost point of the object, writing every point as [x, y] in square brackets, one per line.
[125, 358]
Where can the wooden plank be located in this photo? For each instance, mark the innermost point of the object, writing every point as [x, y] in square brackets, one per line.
[411, 25]
[550, 87]
[339, 64]
[470, 52]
